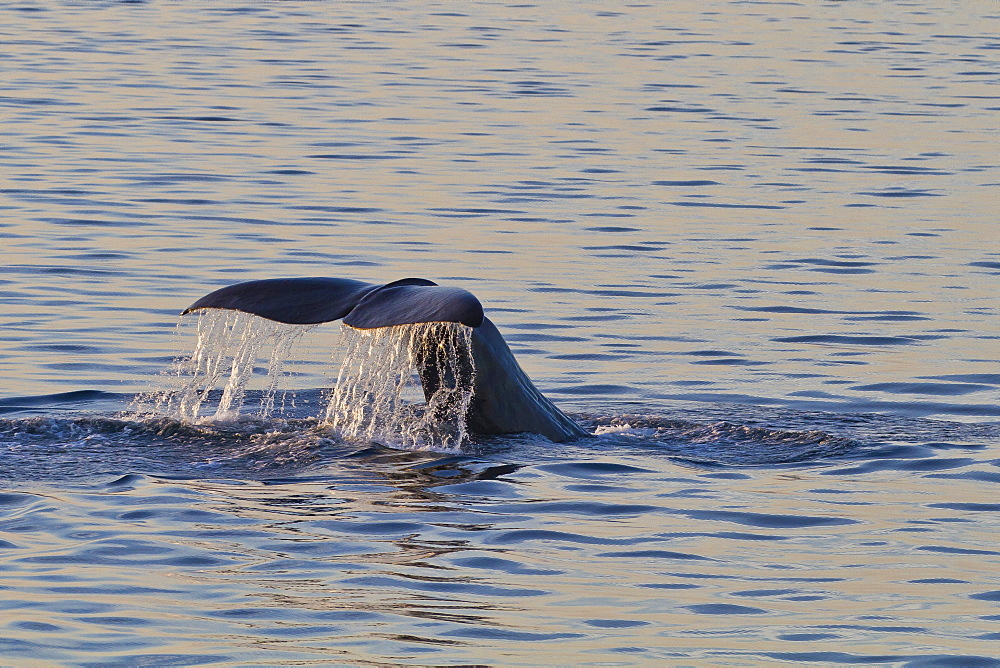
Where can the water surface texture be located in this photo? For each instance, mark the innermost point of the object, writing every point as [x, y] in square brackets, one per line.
[751, 246]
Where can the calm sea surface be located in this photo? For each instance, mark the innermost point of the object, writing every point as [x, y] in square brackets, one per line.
[752, 246]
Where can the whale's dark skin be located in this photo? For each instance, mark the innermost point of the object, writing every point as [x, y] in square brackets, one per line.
[505, 401]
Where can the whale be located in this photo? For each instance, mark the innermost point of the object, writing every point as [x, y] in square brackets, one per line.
[504, 399]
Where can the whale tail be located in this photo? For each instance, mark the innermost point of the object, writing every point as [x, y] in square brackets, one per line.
[504, 398]
[308, 301]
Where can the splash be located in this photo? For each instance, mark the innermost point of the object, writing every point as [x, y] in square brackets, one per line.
[408, 386]
[228, 346]
[377, 395]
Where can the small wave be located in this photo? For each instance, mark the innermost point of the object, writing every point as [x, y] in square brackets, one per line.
[47, 447]
[937, 389]
[78, 399]
[724, 442]
[850, 340]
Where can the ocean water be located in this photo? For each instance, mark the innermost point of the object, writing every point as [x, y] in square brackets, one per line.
[751, 246]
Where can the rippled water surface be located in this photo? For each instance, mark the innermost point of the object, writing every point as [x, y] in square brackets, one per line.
[751, 246]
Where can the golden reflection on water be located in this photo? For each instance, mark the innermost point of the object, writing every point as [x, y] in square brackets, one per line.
[537, 156]
[576, 580]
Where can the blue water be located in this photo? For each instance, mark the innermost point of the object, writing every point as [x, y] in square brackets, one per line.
[752, 247]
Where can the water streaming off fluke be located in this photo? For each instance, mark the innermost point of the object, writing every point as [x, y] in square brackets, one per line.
[228, 347]
[408, 386]
[377, 392]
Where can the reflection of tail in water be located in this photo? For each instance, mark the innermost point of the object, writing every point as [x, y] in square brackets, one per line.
[469, 376]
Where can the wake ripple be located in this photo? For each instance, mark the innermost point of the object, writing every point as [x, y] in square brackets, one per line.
[81, 446]
[725, 443]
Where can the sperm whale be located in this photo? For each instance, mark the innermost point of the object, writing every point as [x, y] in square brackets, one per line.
[505, 401]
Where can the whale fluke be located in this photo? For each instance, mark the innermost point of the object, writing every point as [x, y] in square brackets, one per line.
[296, 301]
[402, 303]
[504, 399]
[308, 301]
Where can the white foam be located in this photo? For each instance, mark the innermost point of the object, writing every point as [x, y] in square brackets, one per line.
[624, 429]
